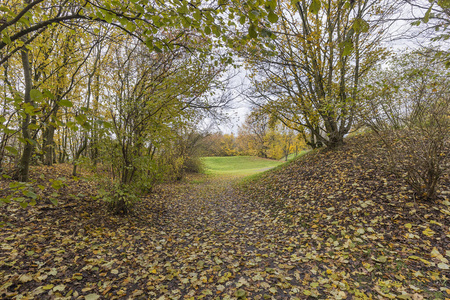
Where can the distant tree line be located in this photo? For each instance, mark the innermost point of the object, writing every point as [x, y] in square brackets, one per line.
[255, 138]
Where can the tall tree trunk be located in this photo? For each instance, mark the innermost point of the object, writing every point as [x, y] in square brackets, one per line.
[77, 156]
[49, 144]
[49, 141]
[24, 163]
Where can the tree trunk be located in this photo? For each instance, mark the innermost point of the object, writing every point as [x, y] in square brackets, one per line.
[77, 156]
[24, 163]
[48, 145]
[335, 140]
[49, 141]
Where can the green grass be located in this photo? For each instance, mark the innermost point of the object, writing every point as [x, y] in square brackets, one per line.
[257, 175]
[238, 165]
[292, 156]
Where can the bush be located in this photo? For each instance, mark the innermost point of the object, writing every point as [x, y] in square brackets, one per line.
[193, 165]
[418, 154]
[121, 198]
[408, 109]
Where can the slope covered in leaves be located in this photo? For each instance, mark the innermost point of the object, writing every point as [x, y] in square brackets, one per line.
[361, 230]
[329, 226]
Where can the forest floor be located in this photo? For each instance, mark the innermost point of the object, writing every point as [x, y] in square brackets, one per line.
[330, 225]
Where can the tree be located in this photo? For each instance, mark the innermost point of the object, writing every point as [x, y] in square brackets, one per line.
[252, 134]
[23, 22]
[264, 136]
[308, 76]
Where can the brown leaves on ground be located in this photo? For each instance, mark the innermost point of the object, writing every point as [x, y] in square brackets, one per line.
[329, 226]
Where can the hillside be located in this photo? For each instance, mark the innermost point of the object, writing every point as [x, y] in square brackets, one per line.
[360, 227]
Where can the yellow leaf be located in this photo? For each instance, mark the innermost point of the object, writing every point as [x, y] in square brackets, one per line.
[435, 254]
[428, 232]
[434, 222]
[47, 287]
[25, 278]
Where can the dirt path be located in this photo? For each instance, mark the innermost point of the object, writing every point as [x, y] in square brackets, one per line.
[191, 240]
[222, 244]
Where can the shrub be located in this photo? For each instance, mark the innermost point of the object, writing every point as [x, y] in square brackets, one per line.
[408, 109]
[193, 165]
[121, 198]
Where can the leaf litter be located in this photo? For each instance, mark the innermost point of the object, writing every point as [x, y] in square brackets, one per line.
[330, 225]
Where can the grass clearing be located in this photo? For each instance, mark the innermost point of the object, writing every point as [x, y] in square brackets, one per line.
[255, 176]
[238, 165]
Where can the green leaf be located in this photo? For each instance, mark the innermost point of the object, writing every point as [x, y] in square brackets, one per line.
[6, 39]
[48, 94]
[54, 201]
[99, 15]
[426, 18]
[444, 3]
[108, 17]
[272, 4]
[252, 31]
[348, 48]
[315, 7]
[81, 119]
[12, 150]
[254, 14]
[207, 30]
[360, 25]
[36, 95]
[123, 21]
[130, 26]
[197, 15]
[4, 8]
[66, 103]
[266, 33]
[30, 194]
[273, 18]
[216, 30]
[33, 126]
